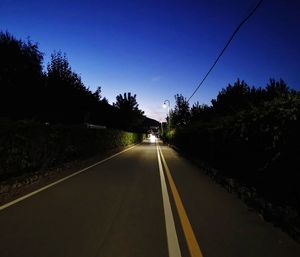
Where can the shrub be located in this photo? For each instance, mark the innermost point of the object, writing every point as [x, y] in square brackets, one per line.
[258, 146]
[28, 146]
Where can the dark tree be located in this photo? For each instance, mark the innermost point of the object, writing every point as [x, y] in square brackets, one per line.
[180, 116]
[276, 89]
[232, 99]
[130, 117]
[102, 112]
[97, 93]
[240, 96]
[201, 113]
[21, 78]
[68, 100]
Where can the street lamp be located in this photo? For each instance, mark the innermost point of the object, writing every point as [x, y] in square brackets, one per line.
[161, 128]
[165, 106]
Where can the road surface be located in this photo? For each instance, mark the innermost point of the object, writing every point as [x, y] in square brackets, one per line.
[145, 202]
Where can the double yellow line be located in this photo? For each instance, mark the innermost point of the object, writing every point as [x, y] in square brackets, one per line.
[193, 246]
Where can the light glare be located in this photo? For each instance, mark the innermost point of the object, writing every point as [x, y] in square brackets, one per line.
[152, 139]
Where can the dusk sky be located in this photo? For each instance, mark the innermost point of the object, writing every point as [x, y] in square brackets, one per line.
[156, 49]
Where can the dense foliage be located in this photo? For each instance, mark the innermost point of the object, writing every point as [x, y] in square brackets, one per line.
[21, 78]
[28, 146]
[250, 134]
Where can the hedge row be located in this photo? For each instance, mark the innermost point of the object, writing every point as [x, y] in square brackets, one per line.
[259, 147]
[26, 146]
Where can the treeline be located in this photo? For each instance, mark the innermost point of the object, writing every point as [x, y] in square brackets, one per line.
[42, 113]
[249, 134]
[57, 95]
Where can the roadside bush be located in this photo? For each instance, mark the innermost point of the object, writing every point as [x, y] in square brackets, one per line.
[259, 147]
[28, 146]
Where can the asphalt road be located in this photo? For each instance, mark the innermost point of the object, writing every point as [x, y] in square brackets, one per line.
[129, 206]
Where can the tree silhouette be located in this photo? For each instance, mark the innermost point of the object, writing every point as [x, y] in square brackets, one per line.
[240, 96]
[68, 100]
[21, 78]
[200, 113]
[97, 93]
[58, 95]
[130, 117]
[180, 116]
[232, 98]
[277, 89]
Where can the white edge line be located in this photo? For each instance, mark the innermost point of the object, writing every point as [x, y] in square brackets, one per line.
[172, 239]
[4, 206]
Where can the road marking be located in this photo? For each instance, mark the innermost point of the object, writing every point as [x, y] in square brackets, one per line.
[191, 240]
[173, 245]
[2, 207]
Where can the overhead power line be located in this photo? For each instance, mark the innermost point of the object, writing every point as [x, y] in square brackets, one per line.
[227, 44]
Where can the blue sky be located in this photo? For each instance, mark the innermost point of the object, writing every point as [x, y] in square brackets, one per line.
[157, 49]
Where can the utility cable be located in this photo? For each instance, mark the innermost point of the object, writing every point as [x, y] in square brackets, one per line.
[227, 44]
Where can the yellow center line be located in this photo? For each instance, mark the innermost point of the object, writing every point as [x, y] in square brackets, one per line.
[192, 243]
[172, 239]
